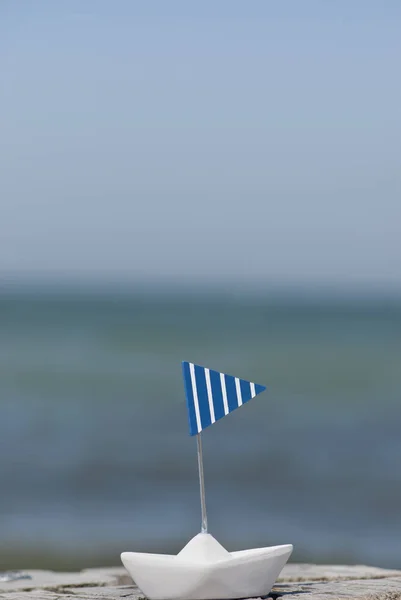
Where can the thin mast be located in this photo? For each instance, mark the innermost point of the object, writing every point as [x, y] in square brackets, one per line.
[201, 483]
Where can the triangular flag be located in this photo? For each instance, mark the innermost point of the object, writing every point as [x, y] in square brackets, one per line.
[212, 395]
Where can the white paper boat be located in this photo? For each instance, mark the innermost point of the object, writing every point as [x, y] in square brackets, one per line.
[204, 570]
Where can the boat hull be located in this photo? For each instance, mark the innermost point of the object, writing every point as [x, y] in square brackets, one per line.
[204, 570]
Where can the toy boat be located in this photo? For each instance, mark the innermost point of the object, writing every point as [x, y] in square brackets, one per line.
[204, 569]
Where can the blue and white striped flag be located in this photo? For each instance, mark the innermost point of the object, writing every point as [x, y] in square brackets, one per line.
[212, 395]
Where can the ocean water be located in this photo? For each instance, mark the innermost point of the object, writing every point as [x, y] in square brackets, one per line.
[95, 456]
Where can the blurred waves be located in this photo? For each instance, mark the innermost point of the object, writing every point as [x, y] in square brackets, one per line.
[95, 456]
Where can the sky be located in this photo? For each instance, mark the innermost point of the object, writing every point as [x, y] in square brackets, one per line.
[252, 142]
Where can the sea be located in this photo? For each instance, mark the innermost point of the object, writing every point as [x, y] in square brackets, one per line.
[95, 454]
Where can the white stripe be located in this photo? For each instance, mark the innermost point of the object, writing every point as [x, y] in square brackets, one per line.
[239, 394]
[195, 394]
[209, 395]
[253, 391]
[224, 392]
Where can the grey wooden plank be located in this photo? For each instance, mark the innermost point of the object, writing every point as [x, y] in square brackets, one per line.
[388, 588]
[297, 582]
[310, 572]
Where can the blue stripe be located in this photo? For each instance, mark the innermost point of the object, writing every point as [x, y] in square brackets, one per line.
[217, 395]
[193, 429]
[259, 388]
[202, 396]
[245, 390]
[231, 393]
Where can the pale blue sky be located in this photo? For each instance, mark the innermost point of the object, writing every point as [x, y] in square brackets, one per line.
[224, 140]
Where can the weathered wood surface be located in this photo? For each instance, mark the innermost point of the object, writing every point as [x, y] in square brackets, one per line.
[296, 582]
[305, 572]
